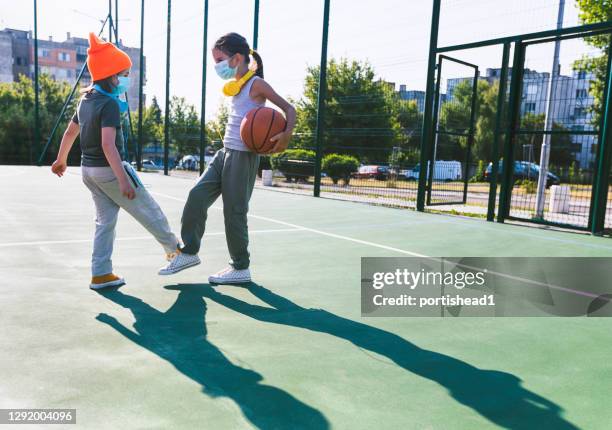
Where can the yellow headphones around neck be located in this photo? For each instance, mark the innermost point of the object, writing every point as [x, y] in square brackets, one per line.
[233, 87]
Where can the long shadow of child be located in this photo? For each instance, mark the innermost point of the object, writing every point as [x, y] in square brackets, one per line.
[497, 396]
[179, 336]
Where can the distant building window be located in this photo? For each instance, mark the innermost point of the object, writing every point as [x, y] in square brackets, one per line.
[530, 107]
[532, 89]
[582, 74]
[18, 61]
[581, 94]
[580, 112]
[42, 52]
[63, 56]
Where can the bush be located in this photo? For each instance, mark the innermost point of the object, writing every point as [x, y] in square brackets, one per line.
[529, 186]
[339, 166]
[479, 176]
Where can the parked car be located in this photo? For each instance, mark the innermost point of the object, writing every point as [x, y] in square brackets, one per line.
[148, 165]
[443, 171]
[380, 173]
[524, 170]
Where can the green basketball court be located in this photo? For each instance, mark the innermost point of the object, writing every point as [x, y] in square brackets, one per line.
[290, 350]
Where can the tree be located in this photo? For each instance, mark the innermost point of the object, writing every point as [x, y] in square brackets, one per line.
[17, 145]
[592, 11]
[455, 117]
[560, 144]
[362, 114]
[215, 128]
[185, 126]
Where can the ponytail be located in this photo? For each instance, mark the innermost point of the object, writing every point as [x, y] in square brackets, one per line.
[260, 70]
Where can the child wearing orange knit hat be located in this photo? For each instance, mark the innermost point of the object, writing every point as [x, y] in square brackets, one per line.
[113, 183]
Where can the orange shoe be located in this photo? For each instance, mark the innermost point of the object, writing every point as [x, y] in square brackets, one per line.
[106, 281]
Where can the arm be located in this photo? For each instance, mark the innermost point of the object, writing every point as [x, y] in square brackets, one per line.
[114, 159]
[70, 135]
[262, 89]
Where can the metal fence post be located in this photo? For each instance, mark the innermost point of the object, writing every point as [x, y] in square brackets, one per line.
[601, 184]
[167, 107]
[203, 107]
[501, 103]
[256, 25]
[140, 93]
[515, 107]
[427, 114]
[470, 140]
[36, 143]
[321, 101]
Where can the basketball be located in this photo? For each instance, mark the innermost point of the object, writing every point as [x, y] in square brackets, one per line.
[258, 126]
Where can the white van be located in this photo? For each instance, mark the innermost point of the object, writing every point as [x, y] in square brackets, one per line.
[443, 171]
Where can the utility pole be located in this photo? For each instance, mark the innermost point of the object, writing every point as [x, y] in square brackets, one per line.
[545, 152]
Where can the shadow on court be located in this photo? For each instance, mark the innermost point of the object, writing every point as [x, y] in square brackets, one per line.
[497, 396]
[179, 336]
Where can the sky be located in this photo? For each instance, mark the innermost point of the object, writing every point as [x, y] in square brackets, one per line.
[393, 35]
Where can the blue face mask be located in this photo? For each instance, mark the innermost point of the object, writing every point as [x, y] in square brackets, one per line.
[124, 84]
[123, 106]
[224, 70]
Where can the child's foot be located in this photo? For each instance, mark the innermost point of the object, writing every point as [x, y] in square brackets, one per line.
[229, 275]
[180, 262]
[106, 281]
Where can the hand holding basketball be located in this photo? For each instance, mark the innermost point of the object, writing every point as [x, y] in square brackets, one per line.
[281, 141]
[263, 130]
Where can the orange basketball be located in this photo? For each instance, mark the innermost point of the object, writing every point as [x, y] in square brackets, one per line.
[259, 125]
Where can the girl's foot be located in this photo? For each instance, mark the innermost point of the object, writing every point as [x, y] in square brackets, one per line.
[106, 281]
[180, 262]
[229, 275]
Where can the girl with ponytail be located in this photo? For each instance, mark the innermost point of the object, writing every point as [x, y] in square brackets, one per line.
[231, 173]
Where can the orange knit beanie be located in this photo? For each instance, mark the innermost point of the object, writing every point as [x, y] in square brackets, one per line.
[104, 59]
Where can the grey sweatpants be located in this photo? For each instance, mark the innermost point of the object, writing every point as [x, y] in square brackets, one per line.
[231, 174]
[107, 197]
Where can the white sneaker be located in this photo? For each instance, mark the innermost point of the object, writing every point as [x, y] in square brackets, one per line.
[229, 275]
[180, 262]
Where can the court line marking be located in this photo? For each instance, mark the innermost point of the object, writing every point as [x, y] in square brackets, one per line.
[442, 221]
[313, 230]
[403, 251]
[125, 239]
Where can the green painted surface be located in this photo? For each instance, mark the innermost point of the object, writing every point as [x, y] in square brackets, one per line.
[291, 351]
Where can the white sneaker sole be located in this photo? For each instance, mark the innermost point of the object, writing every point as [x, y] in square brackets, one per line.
[117, 283]
[228, 282]
[164, 272]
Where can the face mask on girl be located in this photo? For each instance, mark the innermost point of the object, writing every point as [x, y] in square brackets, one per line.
[224, 70]
[124, 84]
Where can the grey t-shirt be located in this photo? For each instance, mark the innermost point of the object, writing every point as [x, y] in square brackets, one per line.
[95, 111]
